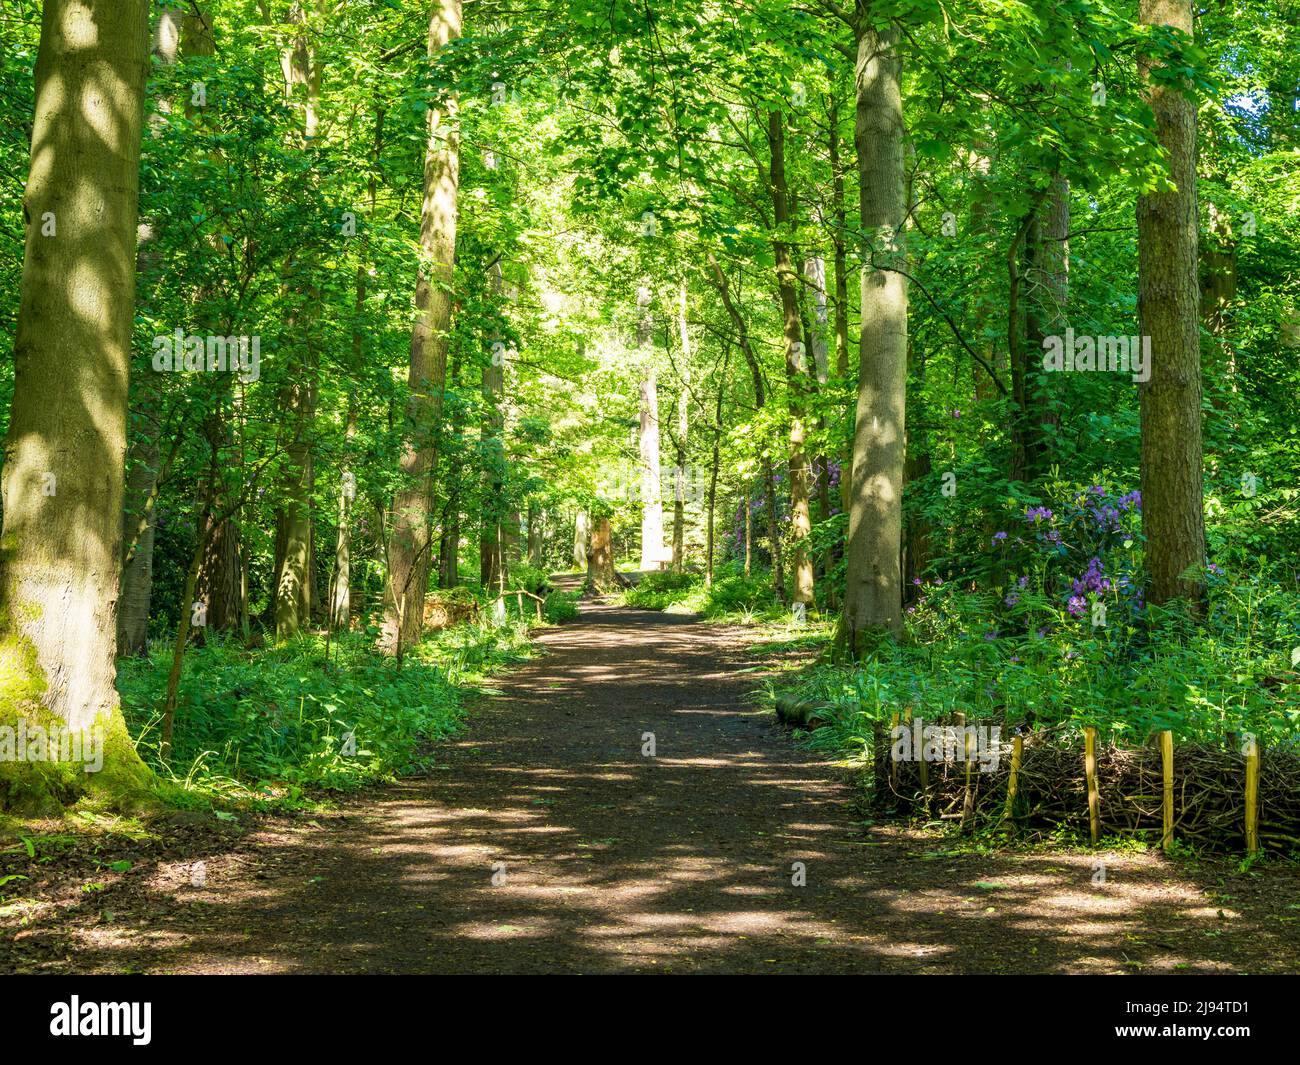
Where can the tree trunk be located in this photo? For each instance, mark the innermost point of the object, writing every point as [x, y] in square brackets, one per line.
[841, 283]
[652, 510]
[795, 364]
[760, 399]
[873, 593]
[1219, 292]
[139, 519]
[601, 575]
[292, 599]
[716, 463]
[409, 546]
[341, 603]
[293, 568]
[60, 554]
[580, 535]
[492, 556]
[534, 534]
[1047, 275]
[683, 426]
[1169, 311]
[145, 417]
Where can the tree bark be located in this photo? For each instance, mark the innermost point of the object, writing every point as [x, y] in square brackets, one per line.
[492, 537]
[534, 534]
[840, 240]
[409, 546]
[580, 535]
[145, 417]
[652, 510]
[63, 480]
[1169, 310]
[795, 363]
[294, 566]
[760, 399]
[873, 593]
[601, 575]
[683, 426]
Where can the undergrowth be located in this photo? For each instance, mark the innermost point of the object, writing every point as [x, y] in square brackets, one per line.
[280, 727]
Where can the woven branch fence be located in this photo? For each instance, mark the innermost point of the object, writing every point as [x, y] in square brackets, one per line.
[1220, 798]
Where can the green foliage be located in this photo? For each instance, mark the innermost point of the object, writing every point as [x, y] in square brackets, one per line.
[1038, 665]
[731, 596]
[561, 606]
[263, 726]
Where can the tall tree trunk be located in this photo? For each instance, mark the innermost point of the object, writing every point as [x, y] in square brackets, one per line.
[341, 605]
[1219, 292]
[1169, 310]
[220, 584]
[841, 283]
[716, 463]
[449, 544]
[795, 363]
[580, 535]
[652, 508]
[873, 593]
[683, 426]
[982, 230]
[1052, 263]
[63, 481]
[294, 568]
[292, 598]
[534, 534]
[409, 546]
[145, 417]
[492, 556]
[723, 287]
[1047, 275]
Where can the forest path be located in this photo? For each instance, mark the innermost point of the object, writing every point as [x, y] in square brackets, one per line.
[681, 862]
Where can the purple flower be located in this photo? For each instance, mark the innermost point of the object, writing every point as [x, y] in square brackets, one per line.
[1077, 605]
[1037, 514]
[1094, 580]
[999, 536]
[1024, 581]
[1214, 568]
[1012, 598]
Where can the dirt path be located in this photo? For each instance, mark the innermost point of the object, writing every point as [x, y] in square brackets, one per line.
[681, 862]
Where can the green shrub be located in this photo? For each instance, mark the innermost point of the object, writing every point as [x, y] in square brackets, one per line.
[266, 724]
[561, 606]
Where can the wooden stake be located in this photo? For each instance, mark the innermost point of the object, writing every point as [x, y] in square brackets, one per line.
[923, 766]
[880, 755]
[1013, 781]
[1167, 775]
[1090, 770]
[893, 761]
[1252, 793]
[968, 796]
